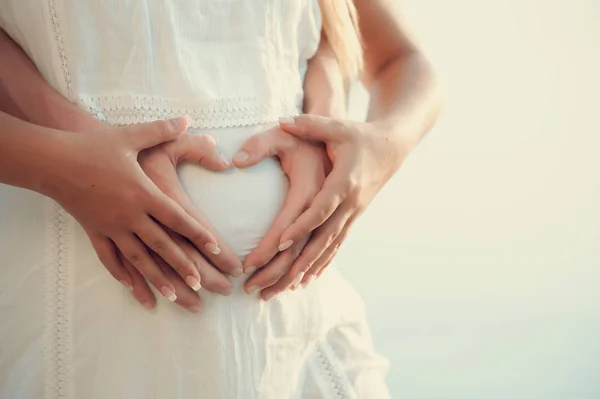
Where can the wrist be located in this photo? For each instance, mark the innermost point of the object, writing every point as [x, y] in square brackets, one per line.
[58, 113]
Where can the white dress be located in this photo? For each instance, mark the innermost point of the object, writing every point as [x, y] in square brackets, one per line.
[67, 329]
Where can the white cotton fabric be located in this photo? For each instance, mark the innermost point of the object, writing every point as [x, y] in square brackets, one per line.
[67, 329]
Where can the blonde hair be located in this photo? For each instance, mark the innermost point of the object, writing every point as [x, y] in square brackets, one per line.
[340, 25]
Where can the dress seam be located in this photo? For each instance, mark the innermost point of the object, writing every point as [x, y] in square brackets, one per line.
[126, 109]
[57, 337]
[331, 380]
[60, 45]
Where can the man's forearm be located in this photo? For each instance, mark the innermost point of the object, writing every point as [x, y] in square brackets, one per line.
[25, 94]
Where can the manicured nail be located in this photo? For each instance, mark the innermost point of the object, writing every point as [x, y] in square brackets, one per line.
[297, 280]
[285, 245]
[181, 121]
[249, 270]
[309, 279]
[193, 282]
[168, 293]
[148, 305]
[238, 271]
[212, 248]
[224, 160]
[195, 308]
[252, 290]
[228, 291]
[269, 296]
[287, 120]
[126, 285]
[241, 156]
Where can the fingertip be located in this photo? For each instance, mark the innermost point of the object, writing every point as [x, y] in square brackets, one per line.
[182, 122]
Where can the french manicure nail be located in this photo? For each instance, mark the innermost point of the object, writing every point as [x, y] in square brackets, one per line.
[168, 293]
[148, 305]
[309, 279]
[269, 296]
[297, 280]
[126, 285]
[224, 159]
[193, 282]
[249, 270]
[285, 245]
[195, 308]
[238, 271]
[228, 291]
[287, 120]
[212, 248]
[241, 156]
[252, 290]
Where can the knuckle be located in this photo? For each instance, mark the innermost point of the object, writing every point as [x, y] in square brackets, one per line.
[330, 239]
[163, 126]
[207, 140]
[136, 258]
[159, 246]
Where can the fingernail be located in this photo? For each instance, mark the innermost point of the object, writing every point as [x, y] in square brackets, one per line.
[269, 296]
[252, 290]
[148, 305]
[297, 280]
[212, 248]
[238, 271]
[168, 293]
[126, 285]
[309, 279]
[193, 282]
[249, 270]
[224, 159]
[285, 245]
[228, 291]
[181, 121]
[195, 308]
[287, 120]
[241, 156]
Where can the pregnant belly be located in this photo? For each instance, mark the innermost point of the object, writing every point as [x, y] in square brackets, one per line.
[240, 203]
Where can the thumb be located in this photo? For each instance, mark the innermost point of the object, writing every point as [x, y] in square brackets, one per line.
[200, 148]
[312, 127]
[146, 135]
[271, 143]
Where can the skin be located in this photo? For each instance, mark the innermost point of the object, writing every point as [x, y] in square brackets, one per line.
[25, 94]
[362, 156]
[405, 102]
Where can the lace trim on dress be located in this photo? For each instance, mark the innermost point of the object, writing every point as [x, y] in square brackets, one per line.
[57, 346]
[203, 114]
[58, 37]
[329, 374]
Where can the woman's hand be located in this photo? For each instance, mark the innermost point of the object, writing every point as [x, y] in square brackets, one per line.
[159, 163]
[364, 157]
[306, 166]
[97, 178]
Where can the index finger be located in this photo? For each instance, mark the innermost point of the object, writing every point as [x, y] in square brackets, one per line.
[325, 203]
[295, 203]
[220, 254]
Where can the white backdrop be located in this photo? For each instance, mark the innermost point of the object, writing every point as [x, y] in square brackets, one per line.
[480, 261]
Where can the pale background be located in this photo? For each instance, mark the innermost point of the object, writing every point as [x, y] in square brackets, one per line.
[480, 261]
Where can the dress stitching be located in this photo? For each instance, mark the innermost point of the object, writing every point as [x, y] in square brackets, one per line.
[337, 385]
[57, 381]
[58, 37]
[213, 113]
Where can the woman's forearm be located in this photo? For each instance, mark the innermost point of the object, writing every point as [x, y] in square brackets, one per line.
[405, 94]
[325, 91]
[26, 95]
